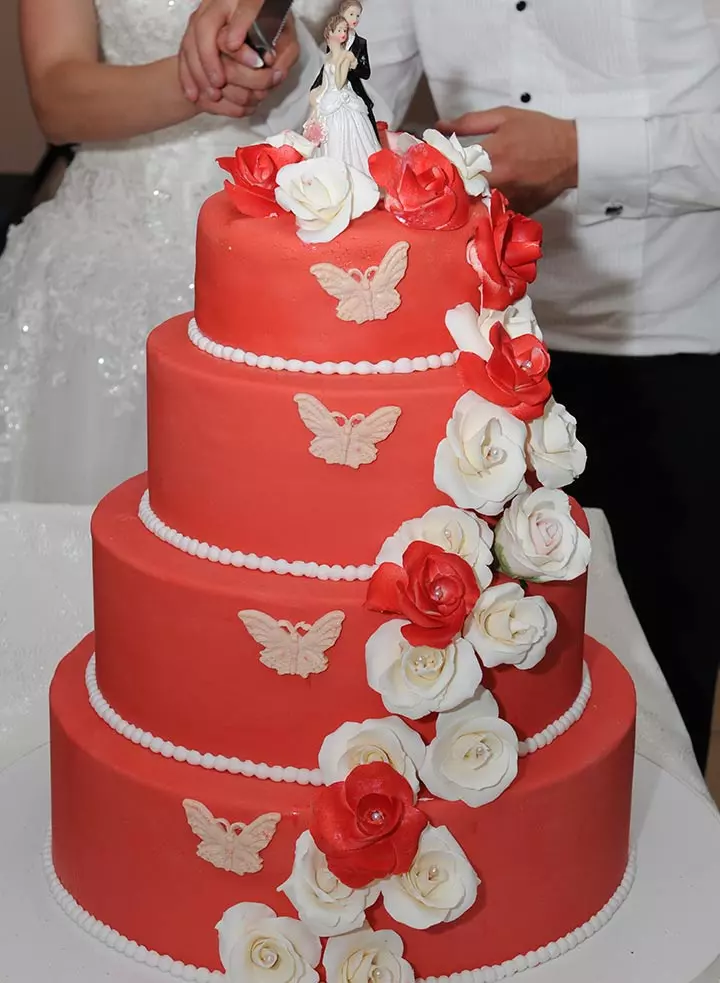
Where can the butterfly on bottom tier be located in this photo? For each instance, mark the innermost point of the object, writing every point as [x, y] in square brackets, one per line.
[368, 296]
[230, 846]
[293, 650]
[348, 440]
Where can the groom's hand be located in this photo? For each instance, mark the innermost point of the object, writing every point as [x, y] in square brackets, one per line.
[216, 65]
[534, 156]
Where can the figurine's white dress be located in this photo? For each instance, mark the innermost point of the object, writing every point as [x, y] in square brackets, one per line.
[349, 134]
[86, 276]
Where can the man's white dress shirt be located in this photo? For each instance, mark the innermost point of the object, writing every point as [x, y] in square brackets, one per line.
[632, 257]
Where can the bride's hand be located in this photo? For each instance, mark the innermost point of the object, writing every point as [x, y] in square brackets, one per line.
[248, 87]
[221, 26]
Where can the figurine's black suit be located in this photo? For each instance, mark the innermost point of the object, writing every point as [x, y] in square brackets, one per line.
[358, 75]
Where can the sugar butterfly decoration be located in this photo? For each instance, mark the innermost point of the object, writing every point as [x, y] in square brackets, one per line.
[230, 846]
[294, 650]
[368, 296]
[347, 440]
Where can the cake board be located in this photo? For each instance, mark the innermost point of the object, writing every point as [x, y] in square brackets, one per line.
[667, 931]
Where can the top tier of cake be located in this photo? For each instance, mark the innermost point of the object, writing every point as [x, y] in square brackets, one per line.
[254, 289]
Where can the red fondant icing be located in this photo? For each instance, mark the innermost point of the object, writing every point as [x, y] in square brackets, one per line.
[229, 459]
[174, 659]
[254, 289]
[550, 851]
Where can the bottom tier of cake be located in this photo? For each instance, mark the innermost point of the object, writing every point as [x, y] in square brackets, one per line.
[551, 851]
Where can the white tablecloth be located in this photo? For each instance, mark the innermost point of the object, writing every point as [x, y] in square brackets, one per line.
[46, 607]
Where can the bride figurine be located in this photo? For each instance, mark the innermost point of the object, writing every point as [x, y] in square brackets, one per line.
[340, 125]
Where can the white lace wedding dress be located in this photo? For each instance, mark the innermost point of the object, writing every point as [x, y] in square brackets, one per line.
[86, 276]
[348, 132]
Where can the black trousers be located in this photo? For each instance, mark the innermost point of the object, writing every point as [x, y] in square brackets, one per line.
[651, 428]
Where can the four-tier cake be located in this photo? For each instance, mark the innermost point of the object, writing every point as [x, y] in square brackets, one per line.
[339, 718]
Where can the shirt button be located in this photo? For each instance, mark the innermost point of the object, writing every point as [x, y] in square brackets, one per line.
[613, 211]
[521, 5]
[525, 97]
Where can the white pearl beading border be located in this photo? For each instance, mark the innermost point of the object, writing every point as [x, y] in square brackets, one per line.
[401, 366]
[194, 974]
[211, 762]
[281, 773]
[112, 938]
[248, 561]
[546, 953]
[563, 723]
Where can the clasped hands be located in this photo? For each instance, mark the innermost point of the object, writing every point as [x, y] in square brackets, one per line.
[219, 72]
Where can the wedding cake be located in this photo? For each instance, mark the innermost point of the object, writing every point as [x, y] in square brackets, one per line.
[339, 718]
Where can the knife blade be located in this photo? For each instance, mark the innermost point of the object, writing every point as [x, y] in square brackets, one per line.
[268, 25]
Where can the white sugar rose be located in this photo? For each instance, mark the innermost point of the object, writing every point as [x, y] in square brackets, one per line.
[474, 756]
[453, 530]
[367, 957]
[414, 682]
[471, 331]
[508, 628]
[289, 138]
[440, 886]
[389, 740]
[481, 464]
[325, 195]
[472, 163]
[325, 905]
[538, 539]
[555, 453]
[258, 947]
[519, 319]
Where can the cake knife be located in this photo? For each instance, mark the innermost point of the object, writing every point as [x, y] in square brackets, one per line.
[268, 26]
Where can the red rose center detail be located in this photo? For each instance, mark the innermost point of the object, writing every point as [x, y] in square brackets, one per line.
[378, 815]
[445, 591]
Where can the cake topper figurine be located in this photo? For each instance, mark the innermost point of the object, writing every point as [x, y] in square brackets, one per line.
[342, 124]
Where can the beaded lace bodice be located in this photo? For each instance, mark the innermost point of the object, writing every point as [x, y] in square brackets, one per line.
[134, 32]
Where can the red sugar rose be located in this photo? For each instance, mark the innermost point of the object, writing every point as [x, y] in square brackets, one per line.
[422, 188]
[434, 590]
[254, 173]
[515, 375]
[367, 826]
[504, 251]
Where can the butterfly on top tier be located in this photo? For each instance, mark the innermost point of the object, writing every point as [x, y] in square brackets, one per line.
[368, 296]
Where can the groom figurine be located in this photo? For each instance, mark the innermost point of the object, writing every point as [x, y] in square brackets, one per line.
[352, 10]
